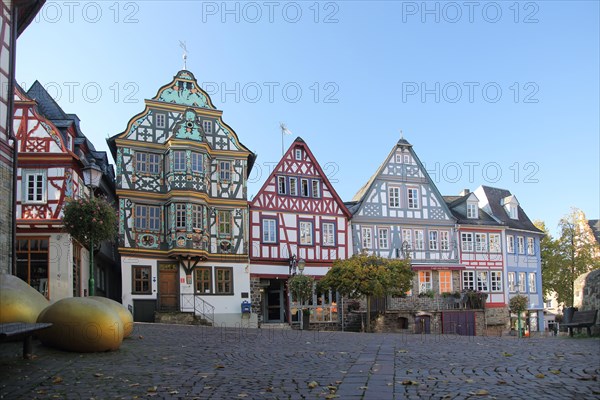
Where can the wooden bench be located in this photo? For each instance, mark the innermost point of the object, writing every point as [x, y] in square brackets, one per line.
[582, 319]
[22, 330]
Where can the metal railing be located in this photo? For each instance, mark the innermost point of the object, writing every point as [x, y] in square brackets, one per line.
[201, 308]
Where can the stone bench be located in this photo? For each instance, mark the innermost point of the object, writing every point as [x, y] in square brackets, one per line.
[22, 330]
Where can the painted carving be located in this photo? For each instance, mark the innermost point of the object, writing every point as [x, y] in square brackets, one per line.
[190, 127]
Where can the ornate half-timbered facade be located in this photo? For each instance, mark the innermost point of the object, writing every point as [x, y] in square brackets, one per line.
[51, 154]
[297, 216]
[181, 182]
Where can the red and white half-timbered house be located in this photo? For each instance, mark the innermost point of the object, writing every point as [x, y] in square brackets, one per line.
[296, 218]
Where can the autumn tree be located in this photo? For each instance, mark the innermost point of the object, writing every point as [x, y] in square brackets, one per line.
[368, 276]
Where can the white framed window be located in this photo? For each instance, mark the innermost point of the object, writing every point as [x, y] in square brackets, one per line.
[511, 282]
[298, 154]
[521, 244]
[394, 197]
[468, 280]
[466, 241]
[530, 248]
[444, 240]
[512, 211]
[413, 198]
[406, 159]
[510, 243]
[180, 216]
[367, 237]
[445, 281]
[472, 211]
[179, 161]
[398, 158]
[522, 283]
[383, 235]
[316, 188]
[225, 170]
[328, 234]
[495, 243]
[407, 238]
[293, 186]
[306, 233]
[281, 185]
[433, 240]
[69, 142]
[482, 281]
[304, 187]
[34, 186]
[196, 216]
[419, 240]
[496, 281]
[481, 242]
[160, 120]
[425, 281]
[532, 283]
[208, 126]
[196, 162]
[269, 230]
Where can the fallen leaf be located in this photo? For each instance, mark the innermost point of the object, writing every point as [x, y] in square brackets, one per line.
[269, 389]
[402, 351]
[469, 380]
[540, 376]
[501, 382]
[321, 353]
[152, 389]
[98, 374]
[242, 395]
[57, 379]
[505, 354]
[409, 382]
[364, 387]
[219, 366]
[134, 385]
[587, 378]
[332, 396]
[312, 385]
[554, 371]
[140, 337]
[173, 392]
[480, 392]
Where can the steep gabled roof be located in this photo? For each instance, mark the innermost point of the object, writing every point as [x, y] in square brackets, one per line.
[46, 103]
[495, 198]
[458, 207]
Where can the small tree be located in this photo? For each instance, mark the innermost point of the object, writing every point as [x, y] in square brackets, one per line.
[517, 305]
[301, 287]
[90, 220]
[368, 275]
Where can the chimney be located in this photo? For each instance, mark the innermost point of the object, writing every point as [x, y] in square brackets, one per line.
[464, 192]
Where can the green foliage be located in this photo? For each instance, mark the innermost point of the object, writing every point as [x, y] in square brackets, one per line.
[90, 218]
[301, 287]
[517, 304]
[428, 293]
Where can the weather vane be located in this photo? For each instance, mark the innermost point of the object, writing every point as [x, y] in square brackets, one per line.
[185, 51]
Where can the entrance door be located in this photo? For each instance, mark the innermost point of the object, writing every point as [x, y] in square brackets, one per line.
[168, 286]
[274, 303]
[423, 324]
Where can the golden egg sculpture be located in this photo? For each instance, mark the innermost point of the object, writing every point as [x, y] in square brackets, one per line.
[19, 302]
[81, 324]
[124, 314]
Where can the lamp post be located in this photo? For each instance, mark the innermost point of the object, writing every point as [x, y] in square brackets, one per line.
[301, 264]
[91, 177]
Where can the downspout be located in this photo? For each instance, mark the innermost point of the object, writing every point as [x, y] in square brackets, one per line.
[11, 134]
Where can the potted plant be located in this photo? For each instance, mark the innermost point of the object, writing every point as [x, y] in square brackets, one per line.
[301, 288]
[517, 305]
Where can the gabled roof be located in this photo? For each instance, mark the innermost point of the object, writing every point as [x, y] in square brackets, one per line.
[458, 207]
[300, 142]
[46, 103]
[26, 12]
[495, 197]
[595, 227]
[184, 90]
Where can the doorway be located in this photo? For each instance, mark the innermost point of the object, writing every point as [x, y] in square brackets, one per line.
[274, 302]
[168, 286]
[423, 324]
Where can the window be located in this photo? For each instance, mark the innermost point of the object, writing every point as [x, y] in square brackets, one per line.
[304, 187]
[316, 188]
[469, 280]
[224, 280]
[367, 242]
[180, 216]
[482, 281]
[511, 282]
[532, 283]
[419, 240]
[141, 162]
[548, 303]
[207, 125]
[160, 120]
[496, 281]
[530, 250]
[225, 170]
[293, 186]
[203, 282]
[466, 239]
[147, 217]
[522, 288]
[32, 263]
[406, 159]
[224, 217]
[512, 211]
[197, 216]
[179, 160]
[407, 238]
[383, 238]
[35, 186]
[445, 281]
[328, 234]
[197, 162]
[394, 197]
[269, 233]
[398, 158]
[141, 279]
[69, 142]
[481, 242]
[281, 185]
[147, 163]
[413, 198]
[495, 243]
[444, 240]
[472, 210]
[306, 233]
[424, 281]
[521, 243]
[298, 154]
[433, 240]
[510, 244]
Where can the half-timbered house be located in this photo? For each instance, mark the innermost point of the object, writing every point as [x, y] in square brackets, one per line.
[52, 151]
[296, 218]
[181, 182]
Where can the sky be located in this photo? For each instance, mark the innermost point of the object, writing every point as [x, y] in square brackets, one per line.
[503, 94]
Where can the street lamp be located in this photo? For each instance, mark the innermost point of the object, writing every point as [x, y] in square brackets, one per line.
[91, 177]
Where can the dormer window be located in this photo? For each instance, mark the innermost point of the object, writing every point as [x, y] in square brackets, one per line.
[511, 206]
[298, 154]
[208, 127]
[160, 120]
[472, 211]
[512, 212]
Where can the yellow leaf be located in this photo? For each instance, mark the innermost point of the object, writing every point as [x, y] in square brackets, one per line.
[57, 379]
[312, 385]
[480, 392]
[554, 371]
[505, 354]
[540, 376]
[152, 389]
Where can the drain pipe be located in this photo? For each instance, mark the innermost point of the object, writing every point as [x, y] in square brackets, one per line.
[11, 134]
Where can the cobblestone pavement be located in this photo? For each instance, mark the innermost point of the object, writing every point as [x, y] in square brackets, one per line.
[169, 361]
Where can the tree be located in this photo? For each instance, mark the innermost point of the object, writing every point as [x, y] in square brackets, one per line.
[90, 220]
[368, 275]
[551, 261]
[517, 305]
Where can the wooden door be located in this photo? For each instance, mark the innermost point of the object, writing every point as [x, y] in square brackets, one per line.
[423, 324]
[168, 286]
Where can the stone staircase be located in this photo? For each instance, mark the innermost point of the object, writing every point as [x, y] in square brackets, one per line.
[179, 318]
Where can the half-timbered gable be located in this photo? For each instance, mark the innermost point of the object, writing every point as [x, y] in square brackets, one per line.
[296, 215]
[181, 182]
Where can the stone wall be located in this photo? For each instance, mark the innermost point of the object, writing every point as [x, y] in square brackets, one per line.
[588, 286]
[497, 316]
[256, 298]
[6, 218]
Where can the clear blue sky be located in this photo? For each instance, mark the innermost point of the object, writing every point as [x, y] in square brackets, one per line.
[498, 93]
